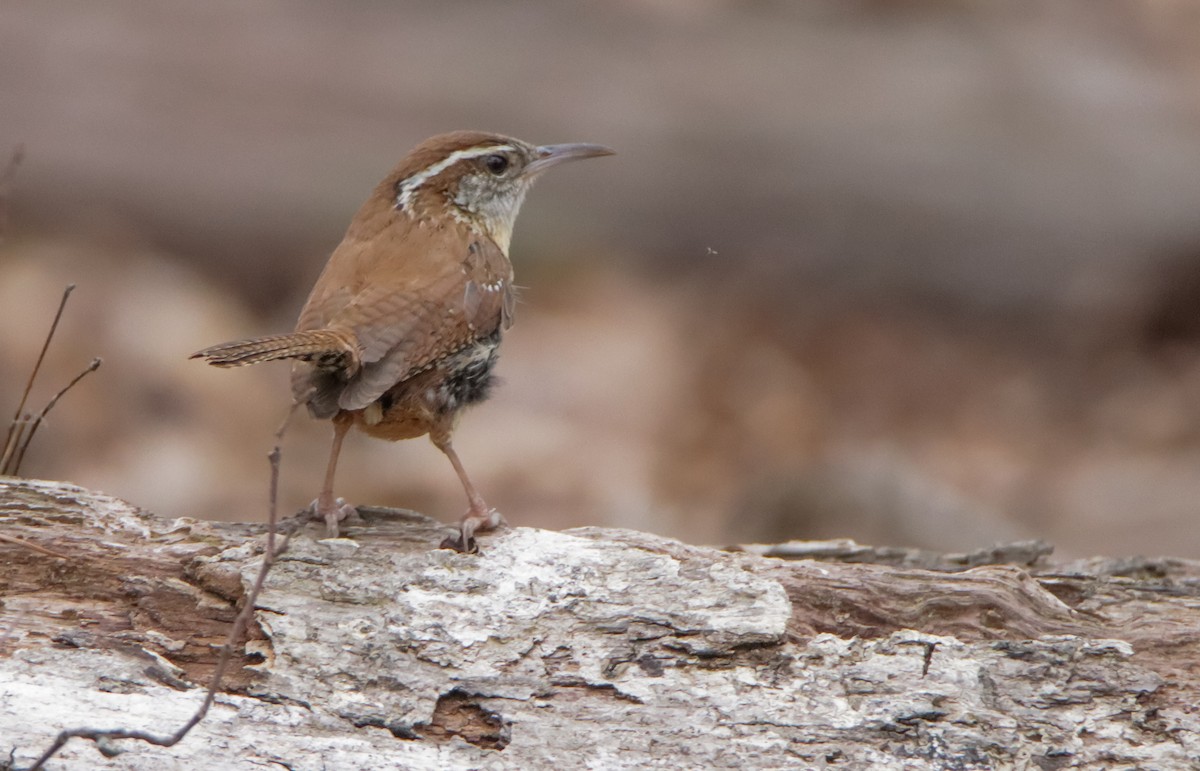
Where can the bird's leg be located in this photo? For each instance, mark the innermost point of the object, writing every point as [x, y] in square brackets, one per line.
[479, 516]
[334, 510]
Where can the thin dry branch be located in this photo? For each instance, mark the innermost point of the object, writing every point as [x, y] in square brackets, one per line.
[32, 547]
[16, 433]
[17, 427]
[19, 456]
[6, 179]
[104, 736]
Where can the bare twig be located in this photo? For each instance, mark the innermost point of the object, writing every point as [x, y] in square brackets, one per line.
[102, 736]
[16, 432]
[32, 546]
[10, 444]
[19, 455]
[6, 179]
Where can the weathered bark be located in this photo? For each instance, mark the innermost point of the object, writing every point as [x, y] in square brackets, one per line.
[585, 649]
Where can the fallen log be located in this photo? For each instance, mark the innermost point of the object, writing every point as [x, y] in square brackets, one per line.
[589, 648]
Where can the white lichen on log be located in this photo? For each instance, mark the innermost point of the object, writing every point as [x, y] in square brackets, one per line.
[585, 649]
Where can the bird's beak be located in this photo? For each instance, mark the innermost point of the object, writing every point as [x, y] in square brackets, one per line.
[552, 155]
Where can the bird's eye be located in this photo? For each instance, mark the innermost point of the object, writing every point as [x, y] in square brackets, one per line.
[497, 164]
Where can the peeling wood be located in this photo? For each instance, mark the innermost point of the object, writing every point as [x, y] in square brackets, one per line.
[590, 648]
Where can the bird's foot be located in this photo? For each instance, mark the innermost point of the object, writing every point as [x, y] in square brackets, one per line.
[474, 521]
[333, 512]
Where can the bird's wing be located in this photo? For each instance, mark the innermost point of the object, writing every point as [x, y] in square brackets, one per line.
[406, 318]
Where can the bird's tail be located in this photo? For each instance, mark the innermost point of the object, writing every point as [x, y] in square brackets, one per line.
[324, 347]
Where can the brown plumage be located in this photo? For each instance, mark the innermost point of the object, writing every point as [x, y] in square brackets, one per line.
[326, 345]
[401, 330]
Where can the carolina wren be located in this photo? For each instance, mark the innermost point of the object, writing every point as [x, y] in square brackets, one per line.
[401, 330]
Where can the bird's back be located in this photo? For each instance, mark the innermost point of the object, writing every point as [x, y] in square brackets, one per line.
[408, 293]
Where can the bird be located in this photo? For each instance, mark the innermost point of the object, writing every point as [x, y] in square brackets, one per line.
[401, 331]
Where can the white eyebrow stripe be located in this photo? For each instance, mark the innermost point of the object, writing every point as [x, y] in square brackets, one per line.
[409, 185]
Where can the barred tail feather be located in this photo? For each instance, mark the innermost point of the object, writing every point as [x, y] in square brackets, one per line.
[325, 347]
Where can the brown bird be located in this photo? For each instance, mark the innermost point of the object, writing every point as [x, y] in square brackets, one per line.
[401, 330]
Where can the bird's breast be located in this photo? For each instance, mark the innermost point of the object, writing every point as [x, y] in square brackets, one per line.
[415, 405]
[468, 374]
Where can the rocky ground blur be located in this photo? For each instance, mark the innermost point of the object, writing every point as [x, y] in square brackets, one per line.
[918, 273]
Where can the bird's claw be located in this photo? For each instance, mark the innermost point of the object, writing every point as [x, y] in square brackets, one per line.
[474, 521]
[333, 513]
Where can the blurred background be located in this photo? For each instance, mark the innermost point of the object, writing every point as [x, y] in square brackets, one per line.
[919, 272]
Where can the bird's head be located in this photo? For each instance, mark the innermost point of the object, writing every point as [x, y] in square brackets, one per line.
[476, 178]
